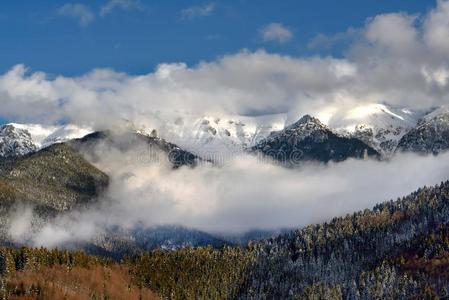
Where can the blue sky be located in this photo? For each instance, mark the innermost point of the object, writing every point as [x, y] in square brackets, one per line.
[71, 38]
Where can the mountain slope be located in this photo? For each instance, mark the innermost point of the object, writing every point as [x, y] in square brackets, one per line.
[173, 237]
[15, 142]
[146, 147]
[310, 140]
[430, 136]
[397, 250]
[209, 135]
[354, 254]
[56, 177]
[378, 125]
[20, 139]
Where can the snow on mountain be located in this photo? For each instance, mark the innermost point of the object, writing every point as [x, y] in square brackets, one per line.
[438, 112]
[15, 142]
[310, 140]
[37, 132]
[21, 139]
[430, 136]
[65, 133]
[378, 125]
[210, 136]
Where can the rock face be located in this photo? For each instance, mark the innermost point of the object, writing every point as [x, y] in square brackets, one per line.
[56, 178]
[430, 136]
[15, 142]
[310, 140]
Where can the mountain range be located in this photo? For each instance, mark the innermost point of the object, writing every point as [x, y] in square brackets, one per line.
[385, 130]
[398, 249]
[53, 168]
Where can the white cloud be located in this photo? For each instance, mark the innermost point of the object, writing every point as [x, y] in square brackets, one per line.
[436, 28]
[81, 12]
[120, 4]
[248, 193]
[235, 84]
[391, 61]
[439, 76]
[242, 195]
[275, 32]
[395, 32]
[21, 221]
[199, 11]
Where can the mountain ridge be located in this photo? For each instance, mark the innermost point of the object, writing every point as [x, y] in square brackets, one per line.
[380, 126]
[310, 140]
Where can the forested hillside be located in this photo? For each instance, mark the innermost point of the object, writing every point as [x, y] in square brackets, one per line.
[399, 249]
[384, 252]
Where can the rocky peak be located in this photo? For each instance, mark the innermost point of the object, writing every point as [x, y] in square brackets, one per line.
[309, 139]
[307, 122]
[15, 142]
[430, 136]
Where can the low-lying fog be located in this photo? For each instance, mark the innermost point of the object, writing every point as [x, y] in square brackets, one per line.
[243, 194]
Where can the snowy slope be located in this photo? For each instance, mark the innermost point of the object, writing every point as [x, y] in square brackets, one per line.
[438, 112]
[15, 142]
[21, 139]
[65, 133]
[378, 125]
[208, 136]
[309, 139]
[37, 132]
[430, 136]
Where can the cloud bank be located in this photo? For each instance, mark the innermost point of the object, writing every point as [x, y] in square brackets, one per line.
[242, 195]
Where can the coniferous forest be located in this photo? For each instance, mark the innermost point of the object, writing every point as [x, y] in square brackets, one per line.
[397, 250]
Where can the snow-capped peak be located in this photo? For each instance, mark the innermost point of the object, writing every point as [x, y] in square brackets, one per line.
[209, 135]
[65, 133]
[15, 141]
[444, 110]
[375, 109]
[378, 125]
[21, 139]
[38, 133]
[307, 121]
[430, 136]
